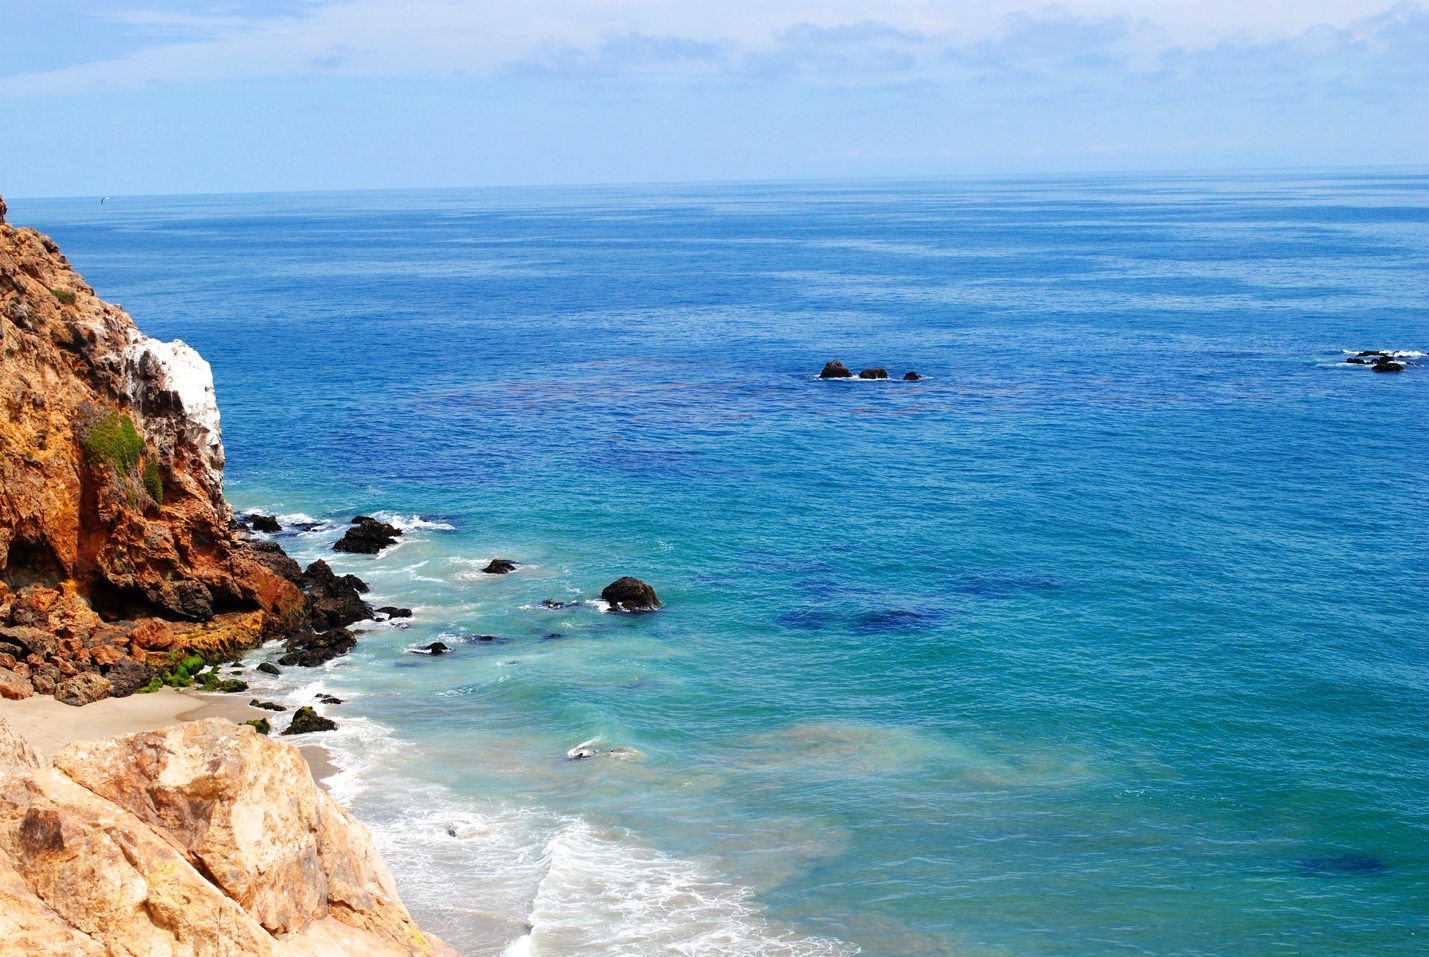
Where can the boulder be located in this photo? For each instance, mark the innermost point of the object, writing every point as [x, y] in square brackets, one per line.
[272, 557]
[264, 523]
[392, 611]
[367, 536]
[329, 699]
[127, 676]
[82, 689]
[268, 668]
[911, 376]
[1385, 365]
[153, 635]
[15, 687]
[266, 705]
[437, 648]
[32, 641]
[835, 370]
[1355, 360]
[500, 566]
[631, 595]
[874, 373]
[306, 721]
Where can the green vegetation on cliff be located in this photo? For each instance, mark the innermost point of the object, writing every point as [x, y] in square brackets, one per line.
[114, 441]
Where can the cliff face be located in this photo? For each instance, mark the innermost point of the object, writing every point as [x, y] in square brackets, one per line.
[111, 487]
[207, 839]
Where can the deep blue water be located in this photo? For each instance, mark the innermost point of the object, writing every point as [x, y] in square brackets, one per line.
[1108, 636]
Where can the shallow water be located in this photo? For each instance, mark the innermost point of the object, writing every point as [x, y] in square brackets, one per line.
[1106, 637]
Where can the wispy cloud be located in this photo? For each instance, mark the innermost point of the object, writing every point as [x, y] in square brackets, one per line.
[843, 43]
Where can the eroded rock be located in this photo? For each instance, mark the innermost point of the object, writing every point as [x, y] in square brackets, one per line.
[82, 689]
[367, 536]
[835, 370]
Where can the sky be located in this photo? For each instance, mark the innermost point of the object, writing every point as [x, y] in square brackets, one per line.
[159, 96]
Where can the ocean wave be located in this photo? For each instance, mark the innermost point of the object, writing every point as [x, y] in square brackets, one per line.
[410, 523]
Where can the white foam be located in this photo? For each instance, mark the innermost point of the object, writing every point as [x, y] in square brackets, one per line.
[408, 523]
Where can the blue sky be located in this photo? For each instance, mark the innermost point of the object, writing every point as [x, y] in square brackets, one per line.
[158, 96]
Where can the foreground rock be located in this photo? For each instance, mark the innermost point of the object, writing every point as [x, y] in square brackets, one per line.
[367, 536]
[835, 370]
[206, 840]
[306, 721]
[630, 595]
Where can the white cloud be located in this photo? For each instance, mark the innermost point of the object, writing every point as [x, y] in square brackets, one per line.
[843, 41]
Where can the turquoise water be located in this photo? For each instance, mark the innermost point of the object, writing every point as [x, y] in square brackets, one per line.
[1107, 637]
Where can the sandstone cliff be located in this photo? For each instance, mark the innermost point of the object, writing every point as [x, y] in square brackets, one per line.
[206, 840]
[115, 539]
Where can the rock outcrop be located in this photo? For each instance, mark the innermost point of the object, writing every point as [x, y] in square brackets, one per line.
[630, 594]
[112, 513]
[206, 840]
[367, 536]
[835, 370]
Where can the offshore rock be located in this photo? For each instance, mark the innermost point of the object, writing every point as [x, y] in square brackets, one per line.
[206, 840]
[500, 566]
[911, 376]
[835, 370]
[264, 523]
[367, 536]
[631, 595]
[874, 373]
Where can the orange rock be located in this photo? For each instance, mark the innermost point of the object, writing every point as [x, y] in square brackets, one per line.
[15, 687]
[105, 655]
[152, 635]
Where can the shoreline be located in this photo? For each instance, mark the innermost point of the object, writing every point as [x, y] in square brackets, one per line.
[49, 725]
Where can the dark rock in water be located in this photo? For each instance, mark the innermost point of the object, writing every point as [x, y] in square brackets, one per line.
[335, 602]
[127, 676]
[630, 594]
[268, 668]
[263, 523]
[329, 699]
[306, 721]
[911, 376]
[266, 705]
[873, 373]
[558, 605]
[308, 649]
[306, 526]
[486, 638]
[1343, 864]
[500, 566]
[367, 536]
[392, 611]
[1355, 360]
[1385, 365]
[835, 370]
[260, 725]
[553, 636]
[1371, 353]
[437, 648]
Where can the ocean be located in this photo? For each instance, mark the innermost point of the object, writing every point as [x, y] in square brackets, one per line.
[1106, 636]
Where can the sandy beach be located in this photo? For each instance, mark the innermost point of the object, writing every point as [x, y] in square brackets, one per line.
[50, 725]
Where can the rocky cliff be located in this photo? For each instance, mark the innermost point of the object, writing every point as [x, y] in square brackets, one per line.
[117, 548]
[206, 840]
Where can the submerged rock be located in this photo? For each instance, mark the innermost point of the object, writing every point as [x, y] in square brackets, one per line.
[392, 611]
[306, 721]
[434, 649]
[266, 705]
[500, 566]
[877, 372]
[630, 595]
[268, 668]
[1355, 360]
[555, 605]
[328, 699]
[835, 370]
[367, 536]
